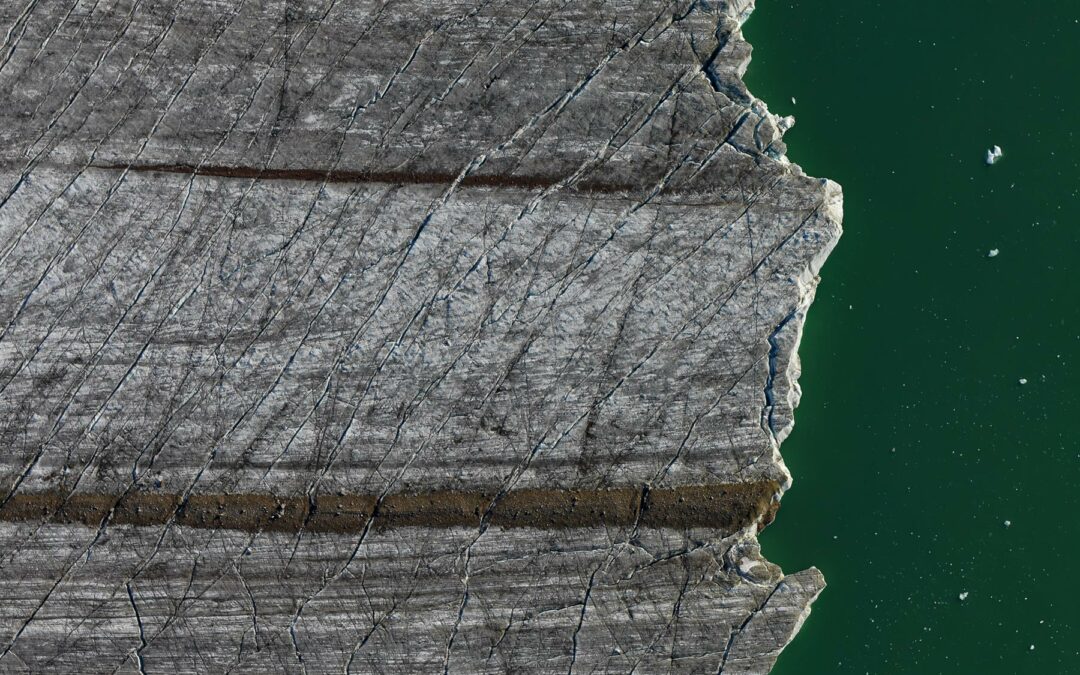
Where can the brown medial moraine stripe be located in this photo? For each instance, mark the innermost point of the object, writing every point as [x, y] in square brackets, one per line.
[347, 176]
[727, 508]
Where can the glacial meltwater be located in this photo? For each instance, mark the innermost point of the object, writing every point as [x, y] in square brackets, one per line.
[935, 453]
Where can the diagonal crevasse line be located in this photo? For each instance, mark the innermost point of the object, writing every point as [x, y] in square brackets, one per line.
[737, 631]
[142, 634]
[768, 412]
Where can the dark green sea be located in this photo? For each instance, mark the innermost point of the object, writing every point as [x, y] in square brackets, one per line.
[916, 442]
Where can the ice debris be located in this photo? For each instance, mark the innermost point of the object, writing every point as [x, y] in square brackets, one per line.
[993, 155]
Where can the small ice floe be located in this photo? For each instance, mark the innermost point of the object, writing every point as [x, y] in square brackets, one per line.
[1031, 648]
[792, 100]
[963, 596]
[1008, 523]
[992, 253]
[1022, 381]
[993, 155]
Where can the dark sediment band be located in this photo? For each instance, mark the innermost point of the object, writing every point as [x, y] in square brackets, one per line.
[726, 508]
[390, 177]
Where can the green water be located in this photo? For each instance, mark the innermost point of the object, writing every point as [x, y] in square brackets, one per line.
[918, 340]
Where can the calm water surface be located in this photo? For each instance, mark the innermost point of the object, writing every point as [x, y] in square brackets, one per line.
[916, 442]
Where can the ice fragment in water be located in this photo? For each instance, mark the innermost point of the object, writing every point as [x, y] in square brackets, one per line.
[993, 253]
[993, 155]
[963, 596]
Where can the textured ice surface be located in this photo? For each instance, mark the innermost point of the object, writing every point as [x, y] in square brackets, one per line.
[362, 248]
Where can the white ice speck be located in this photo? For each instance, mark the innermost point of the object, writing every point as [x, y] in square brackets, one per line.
[1008, 523]
[792, 100]
[1031, 648]
[993, 253]
[993, 155]
[1022, 380]
[963, 596]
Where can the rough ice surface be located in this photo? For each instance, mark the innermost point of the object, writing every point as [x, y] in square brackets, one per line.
[443, 248]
